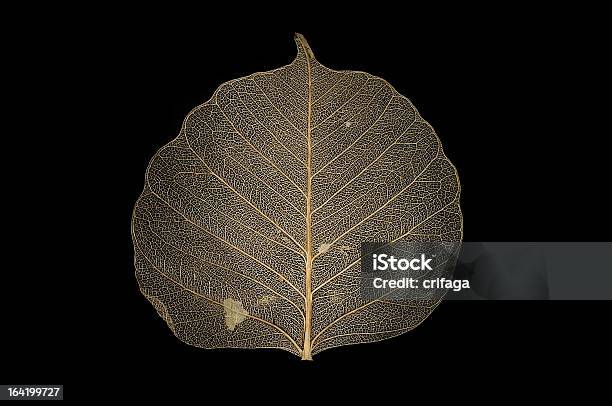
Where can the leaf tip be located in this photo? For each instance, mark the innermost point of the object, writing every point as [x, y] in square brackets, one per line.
[302, 44]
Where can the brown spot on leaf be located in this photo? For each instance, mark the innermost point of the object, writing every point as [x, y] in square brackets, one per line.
[235, 313]
[323, 248]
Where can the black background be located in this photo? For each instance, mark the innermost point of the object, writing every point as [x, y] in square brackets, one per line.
[516, 103]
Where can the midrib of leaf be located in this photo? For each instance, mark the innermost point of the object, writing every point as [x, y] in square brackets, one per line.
[307, 350]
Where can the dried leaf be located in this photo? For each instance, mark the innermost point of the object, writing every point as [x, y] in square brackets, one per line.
[248, 230]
